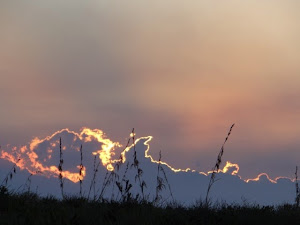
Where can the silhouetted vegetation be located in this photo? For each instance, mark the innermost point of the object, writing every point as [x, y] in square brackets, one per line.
[297, 199]
[61, 162]
[217, 166]
[29, 208]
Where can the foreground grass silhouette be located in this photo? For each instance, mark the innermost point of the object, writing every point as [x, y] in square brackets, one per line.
[29, 208]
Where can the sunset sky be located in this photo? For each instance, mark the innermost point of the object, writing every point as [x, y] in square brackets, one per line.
[180, 71]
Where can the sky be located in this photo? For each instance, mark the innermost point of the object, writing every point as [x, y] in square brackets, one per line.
[180, 71]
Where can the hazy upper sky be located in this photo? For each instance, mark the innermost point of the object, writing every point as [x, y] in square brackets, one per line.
[181, 71]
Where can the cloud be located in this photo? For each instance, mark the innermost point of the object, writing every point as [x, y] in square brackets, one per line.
[187, 185]
[42, 155]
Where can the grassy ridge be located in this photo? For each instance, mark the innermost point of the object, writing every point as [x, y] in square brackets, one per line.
[28, 208]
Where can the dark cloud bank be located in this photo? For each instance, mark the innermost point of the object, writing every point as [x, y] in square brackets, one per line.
[187, 187]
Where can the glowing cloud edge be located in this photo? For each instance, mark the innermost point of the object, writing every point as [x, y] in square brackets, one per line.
[106, 156]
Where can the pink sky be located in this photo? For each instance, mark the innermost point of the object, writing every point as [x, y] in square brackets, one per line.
[181, 71]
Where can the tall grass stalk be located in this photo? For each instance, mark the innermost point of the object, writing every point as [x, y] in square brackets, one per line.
[80, 172]
[125, 191]
[297, 199]
[124, 186]
[27, 185]
[167, 181]
[106, 182]
[93, 182]
[217, 166]
[60, 176]
[112, 177]
[139, 171]
[10, 174]
[159, 182]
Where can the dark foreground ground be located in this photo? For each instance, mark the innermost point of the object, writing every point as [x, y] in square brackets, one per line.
[30, 209]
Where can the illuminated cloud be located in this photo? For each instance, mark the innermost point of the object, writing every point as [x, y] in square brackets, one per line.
[187, 185]
[42, 155]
